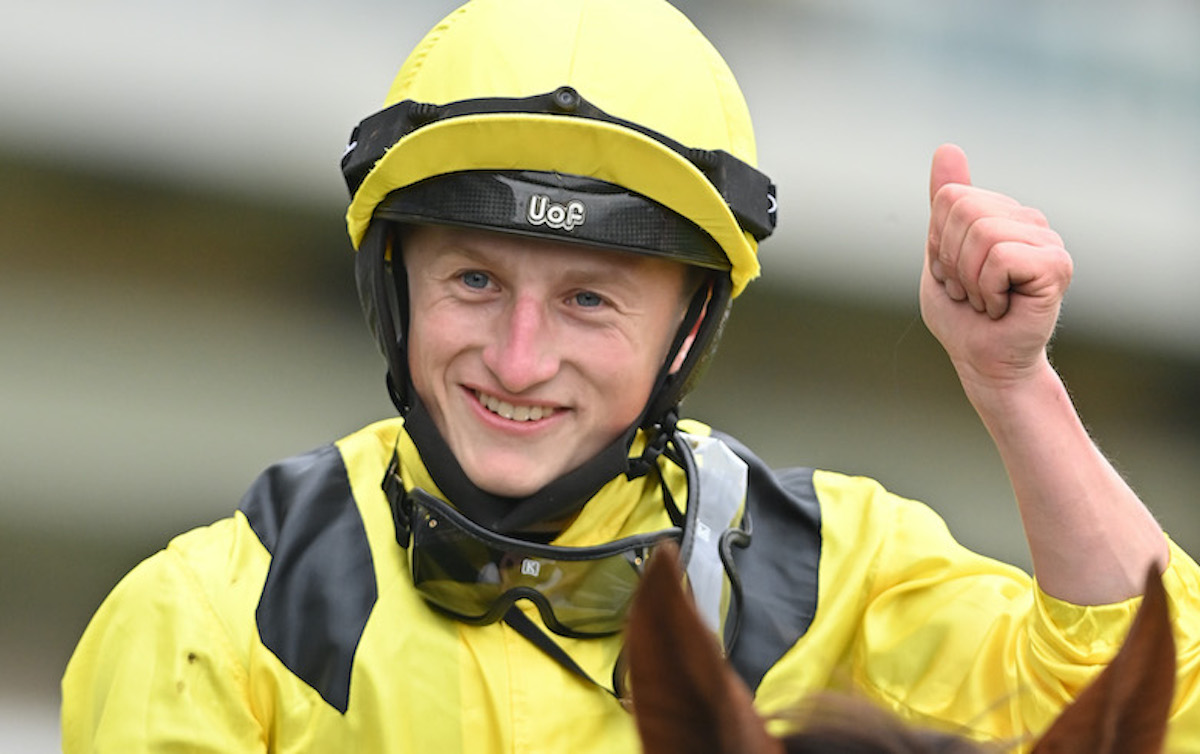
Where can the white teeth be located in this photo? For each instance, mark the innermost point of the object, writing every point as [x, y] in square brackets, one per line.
[509, 411]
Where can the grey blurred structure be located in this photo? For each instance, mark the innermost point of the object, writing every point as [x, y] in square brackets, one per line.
[178, 306]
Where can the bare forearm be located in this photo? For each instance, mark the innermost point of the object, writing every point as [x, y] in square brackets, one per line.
[1090, 536]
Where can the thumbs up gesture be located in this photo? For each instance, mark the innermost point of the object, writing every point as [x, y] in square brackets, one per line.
[994, 278]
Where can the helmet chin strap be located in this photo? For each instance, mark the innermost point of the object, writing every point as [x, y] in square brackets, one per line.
[662, 408]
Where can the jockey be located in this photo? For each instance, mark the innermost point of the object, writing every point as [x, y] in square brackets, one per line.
[552, 214]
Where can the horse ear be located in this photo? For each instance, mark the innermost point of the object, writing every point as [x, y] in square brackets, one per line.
[1126, 708]
[685, 696]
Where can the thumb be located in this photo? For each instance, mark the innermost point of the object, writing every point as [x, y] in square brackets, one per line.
[949, 166]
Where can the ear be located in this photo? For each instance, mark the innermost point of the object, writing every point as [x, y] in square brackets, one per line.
[686, 347]
[1126, 708]
[685, 697]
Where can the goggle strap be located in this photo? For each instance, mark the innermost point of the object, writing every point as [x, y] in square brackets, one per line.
[734, 538]
[393, 489]
[521, 623]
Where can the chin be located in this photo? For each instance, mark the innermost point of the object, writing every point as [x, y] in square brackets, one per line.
[513, 490]
[508, 484]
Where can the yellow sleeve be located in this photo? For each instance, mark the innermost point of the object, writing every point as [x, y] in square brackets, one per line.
[156, 671]
[1072, 640]
[950, 638]
[942, 629]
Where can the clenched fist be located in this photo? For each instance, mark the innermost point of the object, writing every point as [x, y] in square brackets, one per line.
[994, 278]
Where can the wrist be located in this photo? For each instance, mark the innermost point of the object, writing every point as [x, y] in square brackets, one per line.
[1010, 390]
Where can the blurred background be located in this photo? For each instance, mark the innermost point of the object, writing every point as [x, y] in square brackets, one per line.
[178, 310]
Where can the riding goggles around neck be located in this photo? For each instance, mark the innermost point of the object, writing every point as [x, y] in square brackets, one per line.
[476, 575]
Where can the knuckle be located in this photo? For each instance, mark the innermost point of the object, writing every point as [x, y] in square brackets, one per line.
[983, 236]
[1030, 215]
[963, 210]
[949, 193]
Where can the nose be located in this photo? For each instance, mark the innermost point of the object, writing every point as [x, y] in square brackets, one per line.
[522, 353]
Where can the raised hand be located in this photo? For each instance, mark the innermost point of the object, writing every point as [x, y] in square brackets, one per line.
[994, 278]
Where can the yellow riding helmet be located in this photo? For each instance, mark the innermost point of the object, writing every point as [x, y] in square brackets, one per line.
[621, 93]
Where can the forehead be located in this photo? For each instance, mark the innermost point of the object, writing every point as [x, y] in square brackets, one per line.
[428, 244]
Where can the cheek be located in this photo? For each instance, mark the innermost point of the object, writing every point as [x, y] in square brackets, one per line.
[416, 361]
[625, 377]
[428, 347]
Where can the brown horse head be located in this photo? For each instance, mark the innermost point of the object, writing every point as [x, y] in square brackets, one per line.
[688, 699]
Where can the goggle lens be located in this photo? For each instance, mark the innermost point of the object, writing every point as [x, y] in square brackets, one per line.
[476, 574]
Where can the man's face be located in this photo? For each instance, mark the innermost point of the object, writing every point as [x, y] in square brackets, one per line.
[533, 355]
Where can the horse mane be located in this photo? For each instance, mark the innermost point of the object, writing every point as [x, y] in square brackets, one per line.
[686, 698]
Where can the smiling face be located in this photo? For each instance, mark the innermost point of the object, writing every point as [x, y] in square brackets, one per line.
[532, 355]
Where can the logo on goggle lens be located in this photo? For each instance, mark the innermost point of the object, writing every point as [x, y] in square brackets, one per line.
[542, 211]
[530, 567]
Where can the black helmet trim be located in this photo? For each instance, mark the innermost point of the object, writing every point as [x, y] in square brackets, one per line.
[568, 208]
[749, 193]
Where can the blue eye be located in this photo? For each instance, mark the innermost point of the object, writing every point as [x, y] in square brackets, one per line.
[588, 299]
[475, 279]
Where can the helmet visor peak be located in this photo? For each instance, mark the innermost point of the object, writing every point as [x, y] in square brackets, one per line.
[569, 208]
[749, 193]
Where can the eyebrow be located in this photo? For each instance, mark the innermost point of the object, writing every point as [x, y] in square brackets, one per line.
[600, 271]
[603, 268]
